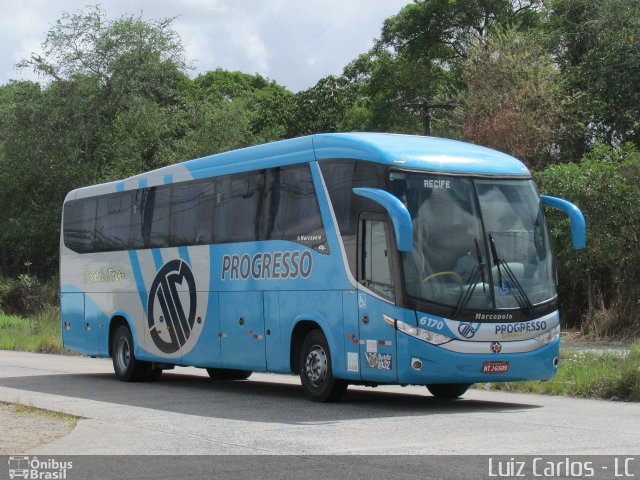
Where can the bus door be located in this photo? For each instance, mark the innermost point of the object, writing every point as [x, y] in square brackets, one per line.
[378, 359]
[242, 330]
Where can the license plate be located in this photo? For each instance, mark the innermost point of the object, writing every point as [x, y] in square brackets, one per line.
[495, 367]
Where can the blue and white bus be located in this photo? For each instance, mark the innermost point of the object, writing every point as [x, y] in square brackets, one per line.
[357, 258]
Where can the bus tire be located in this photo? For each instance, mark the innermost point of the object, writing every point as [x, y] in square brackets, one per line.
[125, 364]
[228, 374]
[316, 370]
[448, 390]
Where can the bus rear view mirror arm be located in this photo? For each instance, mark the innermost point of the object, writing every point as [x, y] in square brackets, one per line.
[578, 228]
[399, 214]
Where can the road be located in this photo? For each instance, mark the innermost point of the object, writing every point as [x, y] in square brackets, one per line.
[186, 413]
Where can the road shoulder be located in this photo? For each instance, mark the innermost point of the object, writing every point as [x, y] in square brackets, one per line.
[24, 430]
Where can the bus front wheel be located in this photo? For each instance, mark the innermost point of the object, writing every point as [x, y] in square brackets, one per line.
[127, 367]
[448, 390]
[318, 382]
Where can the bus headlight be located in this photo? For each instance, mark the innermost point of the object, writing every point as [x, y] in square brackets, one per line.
[417, 332]
[549, 336]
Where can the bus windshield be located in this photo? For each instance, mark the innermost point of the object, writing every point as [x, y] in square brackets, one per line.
[478, 243]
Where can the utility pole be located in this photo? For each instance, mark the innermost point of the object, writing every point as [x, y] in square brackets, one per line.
[425, 108]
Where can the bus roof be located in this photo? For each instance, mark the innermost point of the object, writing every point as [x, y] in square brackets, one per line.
[411, 151]
[430, 153]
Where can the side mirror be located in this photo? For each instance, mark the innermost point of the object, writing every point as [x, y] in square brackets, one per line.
[399, 214]
[578, 227]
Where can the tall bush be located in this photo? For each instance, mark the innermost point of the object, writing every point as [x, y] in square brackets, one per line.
[600, 285]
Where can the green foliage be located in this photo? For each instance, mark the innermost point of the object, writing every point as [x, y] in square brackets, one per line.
[39, 163]
[210, 128]
[415, 70]
[324, 107]
[267, 106]
[393, 88]
[39, 333]
[65, 134]
[117, 103]
[602, 282]
[126, 54]
[588, 374]
[26, 294]
[597, 44]
[444, 30]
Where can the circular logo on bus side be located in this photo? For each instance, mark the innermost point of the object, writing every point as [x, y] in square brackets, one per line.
[171, 324]
[466, 330]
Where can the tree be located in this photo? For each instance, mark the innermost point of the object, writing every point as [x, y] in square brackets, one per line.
[323, 107]
[514, 98]
[210, 127]
[444, 30]
[103, 64]
[128, 53]
[39, 163]
[269, 106]
[110, 102]
[414, 71]
[597, 44]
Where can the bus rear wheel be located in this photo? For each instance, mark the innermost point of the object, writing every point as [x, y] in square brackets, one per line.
[316, 372]
[448, 390]
[228, 374]
[125, 364]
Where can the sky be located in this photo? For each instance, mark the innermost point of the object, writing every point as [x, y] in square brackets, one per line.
[294, 42]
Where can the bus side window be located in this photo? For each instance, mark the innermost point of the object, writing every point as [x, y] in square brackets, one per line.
[238, 207]
[204, 213]
[136, 229]
[191, 213]
[292, 207]
[375, 272]
[112, 222]
[156, 216]
[79, 224]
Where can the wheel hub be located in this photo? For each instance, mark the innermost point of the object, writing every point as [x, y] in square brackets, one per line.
[316, 365]
[123, 354]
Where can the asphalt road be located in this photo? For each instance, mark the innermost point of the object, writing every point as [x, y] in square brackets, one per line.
[186, 413]
[265, 428]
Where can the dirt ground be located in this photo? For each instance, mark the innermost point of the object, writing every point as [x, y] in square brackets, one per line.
[21, 431]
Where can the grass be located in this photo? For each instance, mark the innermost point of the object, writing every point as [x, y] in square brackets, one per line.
[607, 375]
[40, 333]
[19, 407]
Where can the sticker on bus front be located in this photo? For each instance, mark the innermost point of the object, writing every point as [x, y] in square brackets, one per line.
[495, 367]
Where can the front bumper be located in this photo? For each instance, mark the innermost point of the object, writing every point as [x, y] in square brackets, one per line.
[439, 365]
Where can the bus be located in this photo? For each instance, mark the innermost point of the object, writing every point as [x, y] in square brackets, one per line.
[346, 258]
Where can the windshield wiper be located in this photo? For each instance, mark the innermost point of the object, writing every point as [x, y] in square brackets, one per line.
[471, 284]
[521, 296]
[480, 262]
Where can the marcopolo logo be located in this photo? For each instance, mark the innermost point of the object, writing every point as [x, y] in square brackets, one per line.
[171, 326]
